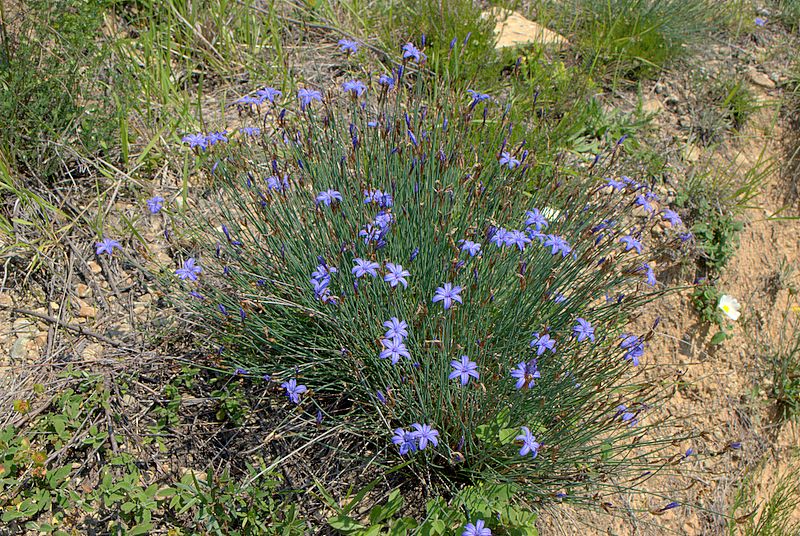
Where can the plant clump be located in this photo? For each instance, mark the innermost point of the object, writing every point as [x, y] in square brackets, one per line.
[383, 253]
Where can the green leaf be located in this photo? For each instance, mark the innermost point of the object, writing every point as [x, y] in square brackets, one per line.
[57, 476]
[344, 523]
[402, 526]
[374, 530]
[142, 528]
[719, 337]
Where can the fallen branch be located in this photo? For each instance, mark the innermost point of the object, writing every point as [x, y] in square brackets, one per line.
[64, 324]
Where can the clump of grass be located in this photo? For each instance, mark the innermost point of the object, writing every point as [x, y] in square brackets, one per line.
[789, 13]
[51, 95]
[774, 516]
[780, 355]
[378, 253]
[725, 104]
[635, 39]
[438, 26]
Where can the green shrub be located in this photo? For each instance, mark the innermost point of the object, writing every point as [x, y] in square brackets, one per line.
[52, 97]
[633, 39]
[271, 275]
[773, 517]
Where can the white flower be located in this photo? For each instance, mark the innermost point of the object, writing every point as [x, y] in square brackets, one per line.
[730, 306]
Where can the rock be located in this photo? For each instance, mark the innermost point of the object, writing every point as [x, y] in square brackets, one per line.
[6, 300]
[83, 291]
[92, 351]
[33, 348]
[692, 153]
[94, 267]
[660, 88]
[41, 339]
[652, 106]
[512, 29]
[760, 79]
[24, 326]
[19, 350]
[87, 311]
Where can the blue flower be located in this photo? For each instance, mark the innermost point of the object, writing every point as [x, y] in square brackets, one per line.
[396, 329]
[534, 218]
[477, 97]
[447, 294]
[498, 237]
[384, 200]
[650, 275]
[643, 202]
[250, 131]
[275, 184]
[394, 349]
[195, 140]
[217, 137]
[670, 506]
[407, 441]
[557, 244]
[507, 160]
[356, 87]
[293, 391]
[760, 22]
[396, 274]
[384, 219]
[323, 271]
[615, 184]
[189, 271]
[672, 217]
[529, 444]
[268, 93]
[370, 233]
[155, 204]
[543, 343]
[364, 267]
[517, 238]
[306, 96]
[348, 45]
[583, 330]
[526, 373]
[424, 434]
[412, 52]
[107, 246]
[634, 347]
[473, 248]
[386, 81]
[464, 369]
[328, 197]
[631, 243]
[478, 529]
[626, 416]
